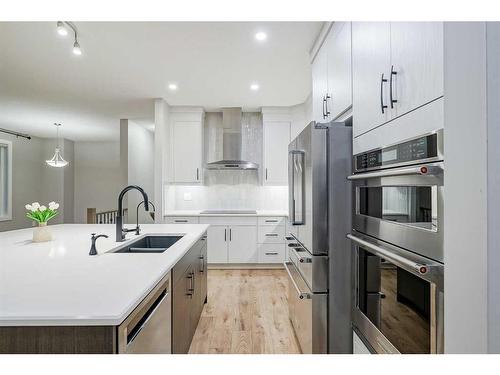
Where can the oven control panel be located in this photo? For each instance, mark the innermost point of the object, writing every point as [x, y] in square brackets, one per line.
[408, 152]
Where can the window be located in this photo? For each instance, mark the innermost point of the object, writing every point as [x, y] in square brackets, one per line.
[5, 180]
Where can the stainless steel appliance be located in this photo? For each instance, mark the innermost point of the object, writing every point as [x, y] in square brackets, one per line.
[397, 239]
[147, 330]
[318, 265]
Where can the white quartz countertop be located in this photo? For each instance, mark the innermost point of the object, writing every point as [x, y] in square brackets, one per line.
[58, 283]
[198, 213]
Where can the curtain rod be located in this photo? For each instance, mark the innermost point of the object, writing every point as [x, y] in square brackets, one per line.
[23, 135]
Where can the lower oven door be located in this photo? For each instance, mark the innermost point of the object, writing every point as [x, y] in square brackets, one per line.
[398, 298]
[308, 313]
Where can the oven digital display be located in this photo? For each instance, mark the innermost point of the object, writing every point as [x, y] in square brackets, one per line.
[389, 155]
[409, 151]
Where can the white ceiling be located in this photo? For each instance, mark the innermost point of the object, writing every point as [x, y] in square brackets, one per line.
[125, 65]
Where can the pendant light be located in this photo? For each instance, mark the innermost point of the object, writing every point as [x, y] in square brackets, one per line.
[57, 160]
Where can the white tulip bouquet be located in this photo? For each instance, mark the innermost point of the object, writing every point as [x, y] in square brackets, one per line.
[41, 214]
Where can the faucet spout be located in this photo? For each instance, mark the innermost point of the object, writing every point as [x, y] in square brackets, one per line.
[120, 232]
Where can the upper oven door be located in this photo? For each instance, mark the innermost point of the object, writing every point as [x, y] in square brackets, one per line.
[402, 206]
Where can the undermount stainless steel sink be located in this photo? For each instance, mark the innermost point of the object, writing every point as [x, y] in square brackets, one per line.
[148, 244]
[229, 212]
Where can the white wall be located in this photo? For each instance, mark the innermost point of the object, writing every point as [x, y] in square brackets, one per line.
[97, 177]
[493, 82]
[33, 180]
[140, 166]
[472, 178]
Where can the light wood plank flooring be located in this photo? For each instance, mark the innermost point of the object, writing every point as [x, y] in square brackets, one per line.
[247, 312]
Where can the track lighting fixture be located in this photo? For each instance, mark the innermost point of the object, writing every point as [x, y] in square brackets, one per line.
[62, 29]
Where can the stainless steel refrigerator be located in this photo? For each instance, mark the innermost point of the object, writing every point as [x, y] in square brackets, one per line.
[319, 255]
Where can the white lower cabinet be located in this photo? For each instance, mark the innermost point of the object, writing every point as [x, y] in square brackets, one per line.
[242, 244]
[217, 244]
[272, 253]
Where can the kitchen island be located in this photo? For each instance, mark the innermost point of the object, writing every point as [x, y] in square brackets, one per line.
[58, 284]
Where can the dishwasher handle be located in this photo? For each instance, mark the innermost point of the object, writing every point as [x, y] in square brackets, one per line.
[147, 317]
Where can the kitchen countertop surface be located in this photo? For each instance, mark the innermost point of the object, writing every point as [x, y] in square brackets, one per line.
[58, 283]
[198, 213]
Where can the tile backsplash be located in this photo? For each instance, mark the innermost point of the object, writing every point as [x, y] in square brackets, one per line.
[227, 190]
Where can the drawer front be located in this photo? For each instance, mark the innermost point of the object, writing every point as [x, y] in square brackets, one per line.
[182, 220]
[272, 220]
[272, 253]
[269, 234]
[225, 220]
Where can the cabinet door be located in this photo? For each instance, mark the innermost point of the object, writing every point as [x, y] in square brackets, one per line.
[339, 69]
[276, 140]
[370, 59]
[181, 301]
[417, 58]
[187, 151]
[320, 84]
[242, 244]
[217, 244]
[202, 273]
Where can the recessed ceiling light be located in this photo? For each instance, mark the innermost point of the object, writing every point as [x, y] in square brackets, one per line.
[261, 36]
[254, 87]
[172, 86]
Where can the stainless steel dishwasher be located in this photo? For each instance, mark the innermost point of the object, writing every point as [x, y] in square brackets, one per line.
[148, 329]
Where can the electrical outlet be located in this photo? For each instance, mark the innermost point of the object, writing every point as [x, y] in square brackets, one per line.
[187, 196]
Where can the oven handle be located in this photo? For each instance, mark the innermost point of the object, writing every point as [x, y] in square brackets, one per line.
[301, 294]
[423, 170]
[421, 269]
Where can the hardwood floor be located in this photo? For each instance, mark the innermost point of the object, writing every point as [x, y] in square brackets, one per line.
[246, 313]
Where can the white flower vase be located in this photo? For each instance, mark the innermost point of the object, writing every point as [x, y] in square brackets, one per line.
[42, 233]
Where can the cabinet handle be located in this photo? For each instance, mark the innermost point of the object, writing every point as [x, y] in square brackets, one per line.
[266, 174]
[271, 221]
[230, 234]
[197, 174]
[181, 221]
[382, 105]
[190, 285]
[327, 112]
[393, 73]
[271, 234]
[324, 111]
[225, 235]
[202, 259]
[272, 253]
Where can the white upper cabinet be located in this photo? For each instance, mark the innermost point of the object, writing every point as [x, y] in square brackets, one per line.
[320, 84]
[276, 140]
[371, 58]
[339, 70]
[397, 67]
[331, 74]
[186, 147]
[417, 59]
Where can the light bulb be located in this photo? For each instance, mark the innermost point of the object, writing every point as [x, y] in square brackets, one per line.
[261, 36]
[254, 87]
[61, 29]
[76, 49]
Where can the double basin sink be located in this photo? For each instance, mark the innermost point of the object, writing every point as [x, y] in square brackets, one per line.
[148, 245]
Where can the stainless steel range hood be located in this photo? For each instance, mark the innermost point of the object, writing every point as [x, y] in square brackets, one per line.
[231, 143]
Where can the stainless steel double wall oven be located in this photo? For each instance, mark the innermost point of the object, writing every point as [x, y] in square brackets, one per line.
[397, 239]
